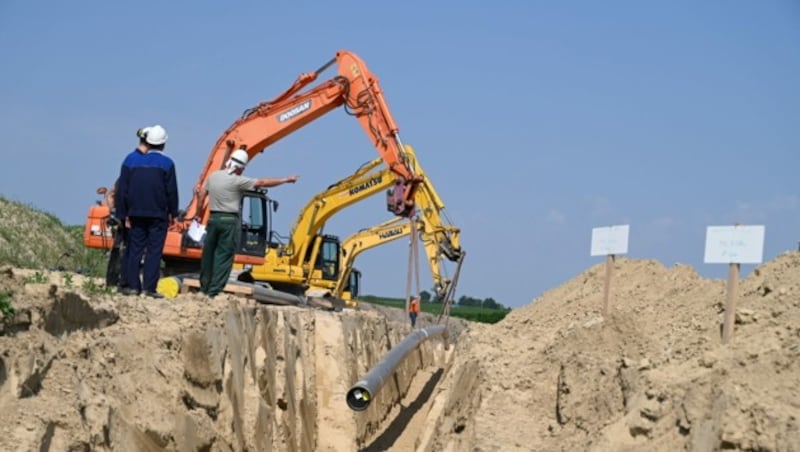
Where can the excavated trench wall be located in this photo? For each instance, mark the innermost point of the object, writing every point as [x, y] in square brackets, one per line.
[102, 373]
[284, 388]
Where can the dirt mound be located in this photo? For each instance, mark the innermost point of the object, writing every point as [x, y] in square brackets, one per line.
[555, 375]
[84, 370]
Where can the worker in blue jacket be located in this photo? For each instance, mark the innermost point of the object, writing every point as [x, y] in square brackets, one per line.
[147, 200]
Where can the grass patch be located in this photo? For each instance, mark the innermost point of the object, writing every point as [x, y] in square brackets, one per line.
[33, 238]
[6, 309]
[36, 278]
[90, 287]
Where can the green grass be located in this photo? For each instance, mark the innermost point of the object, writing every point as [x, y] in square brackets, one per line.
[36, 278]
[32, 238]
[6, 309]
[471, 313]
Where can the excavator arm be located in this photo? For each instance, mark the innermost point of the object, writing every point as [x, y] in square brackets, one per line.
[390, 231]
[354, 87]
[360, 185]
[365, 239]
[292, 262]
[439, 239]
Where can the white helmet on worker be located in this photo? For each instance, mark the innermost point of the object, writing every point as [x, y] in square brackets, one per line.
[238, 160]
[240, 156]
[153, 135]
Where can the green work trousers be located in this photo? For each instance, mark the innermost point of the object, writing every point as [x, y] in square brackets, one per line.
[218, 250]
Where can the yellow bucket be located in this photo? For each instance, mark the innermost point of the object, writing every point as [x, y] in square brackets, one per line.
[170, 286]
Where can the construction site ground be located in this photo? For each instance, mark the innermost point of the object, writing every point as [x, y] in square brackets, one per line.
[89, 371]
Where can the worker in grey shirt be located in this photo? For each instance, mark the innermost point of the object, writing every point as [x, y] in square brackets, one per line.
[225, 188]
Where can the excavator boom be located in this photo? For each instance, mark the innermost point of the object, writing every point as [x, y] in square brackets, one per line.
[439, 239]
[365, 239]
[292, 263]
[390, 231]
[354, 87]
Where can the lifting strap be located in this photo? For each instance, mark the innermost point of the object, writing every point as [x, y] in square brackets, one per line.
[413, 263]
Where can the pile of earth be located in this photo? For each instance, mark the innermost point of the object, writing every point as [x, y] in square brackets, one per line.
[81, 370]
[654, 375]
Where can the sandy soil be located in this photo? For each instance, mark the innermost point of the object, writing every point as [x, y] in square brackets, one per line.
[88, 372]
[556, 375]
[85, 371]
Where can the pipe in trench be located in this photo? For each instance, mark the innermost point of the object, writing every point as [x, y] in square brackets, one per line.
[261, 294]
[274, 296]
[364, 390]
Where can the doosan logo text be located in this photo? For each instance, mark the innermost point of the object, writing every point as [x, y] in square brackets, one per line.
[287, 115]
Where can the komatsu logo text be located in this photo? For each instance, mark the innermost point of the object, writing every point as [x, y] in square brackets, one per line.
[287, 115]
[390, 233]
[370, 183]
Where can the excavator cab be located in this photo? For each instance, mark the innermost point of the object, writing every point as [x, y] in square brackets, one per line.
[326, 263]
[254, 227]
[255, 223]
[328, 257]
[353, 284]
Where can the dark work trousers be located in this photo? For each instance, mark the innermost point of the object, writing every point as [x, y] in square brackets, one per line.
[146, 238]
[121, 247]
[219, 248]
[123, 256]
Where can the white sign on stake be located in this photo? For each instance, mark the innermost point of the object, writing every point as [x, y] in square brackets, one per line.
[734, 244]
[610, 240]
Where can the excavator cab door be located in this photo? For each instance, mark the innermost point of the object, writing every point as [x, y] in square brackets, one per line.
[328, 258]
[254, 224]
[353, 284]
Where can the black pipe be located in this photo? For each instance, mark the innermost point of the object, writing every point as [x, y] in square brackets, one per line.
[361, 394]
[264, 294]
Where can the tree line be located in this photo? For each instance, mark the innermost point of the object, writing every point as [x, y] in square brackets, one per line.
[465, 300]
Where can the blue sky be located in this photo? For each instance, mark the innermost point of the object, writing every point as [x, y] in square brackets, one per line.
[536, 121]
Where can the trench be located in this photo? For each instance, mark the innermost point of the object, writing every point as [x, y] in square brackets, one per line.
[249, 377]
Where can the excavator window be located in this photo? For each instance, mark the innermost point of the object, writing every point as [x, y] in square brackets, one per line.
[328, 260]
[353, 284]
[254, 224]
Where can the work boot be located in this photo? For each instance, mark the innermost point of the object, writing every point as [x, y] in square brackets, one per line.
[154, 295]
[129, 291]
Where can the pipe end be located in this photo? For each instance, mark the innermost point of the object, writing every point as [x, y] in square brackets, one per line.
[358, 398]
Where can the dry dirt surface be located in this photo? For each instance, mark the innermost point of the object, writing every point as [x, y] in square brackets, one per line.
[654, 376]
[81, 370]
[99, 372]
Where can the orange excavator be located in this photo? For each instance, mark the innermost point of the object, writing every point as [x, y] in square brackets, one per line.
[354, 87]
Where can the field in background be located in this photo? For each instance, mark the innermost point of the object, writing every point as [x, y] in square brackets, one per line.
[472, 313]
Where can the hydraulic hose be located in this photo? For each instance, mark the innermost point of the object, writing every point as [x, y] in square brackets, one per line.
[363, 392]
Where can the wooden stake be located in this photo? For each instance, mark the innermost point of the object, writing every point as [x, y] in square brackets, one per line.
[730, 305]
[607, 289]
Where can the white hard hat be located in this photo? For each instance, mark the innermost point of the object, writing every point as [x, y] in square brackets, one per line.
[240, 156]
[154, 135]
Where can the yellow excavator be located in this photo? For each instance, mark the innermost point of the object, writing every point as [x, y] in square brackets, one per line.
[308, 254]
[311, 263]
[440, 240]
[390, 231]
